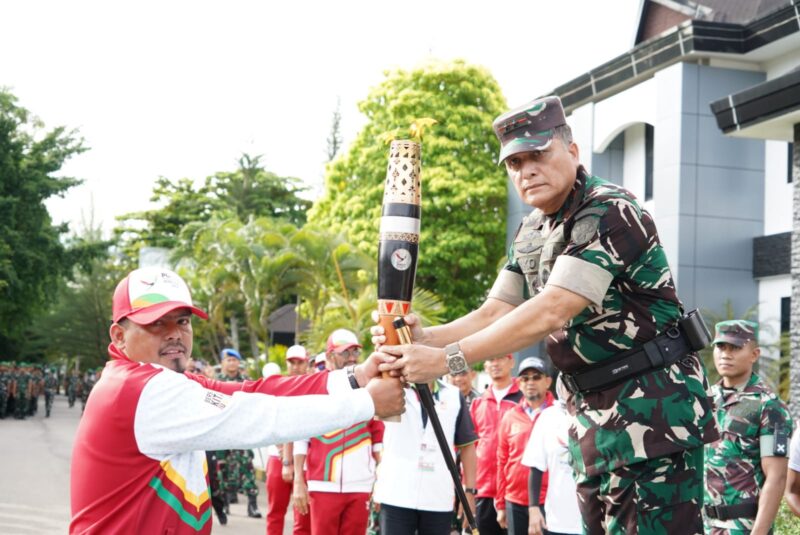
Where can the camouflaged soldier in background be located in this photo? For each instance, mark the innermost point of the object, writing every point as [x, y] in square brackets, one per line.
[23, 390]
[50, 388]
[641, 440]
[237, 472]
[5, 380]
[755, 426]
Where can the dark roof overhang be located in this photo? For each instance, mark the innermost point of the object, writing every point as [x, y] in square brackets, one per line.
[768, 110]
[689, 40]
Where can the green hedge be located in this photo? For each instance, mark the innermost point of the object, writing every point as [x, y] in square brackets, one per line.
[786, 523]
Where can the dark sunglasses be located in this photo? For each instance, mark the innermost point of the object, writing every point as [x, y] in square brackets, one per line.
[353, 351]
[534, 377]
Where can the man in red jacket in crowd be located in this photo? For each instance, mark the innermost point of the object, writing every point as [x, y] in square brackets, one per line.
[515, 429]
[486, 411]
[138, 463]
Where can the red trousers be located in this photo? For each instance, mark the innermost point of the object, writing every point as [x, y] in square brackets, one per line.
[279, 492]
[302, 523]
[334, 513]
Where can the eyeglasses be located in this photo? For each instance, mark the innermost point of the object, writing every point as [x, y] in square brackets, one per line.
[351, 352]
[533, 377]
[320, 365]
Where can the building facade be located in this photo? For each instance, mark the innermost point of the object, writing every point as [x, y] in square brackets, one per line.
[722, 202]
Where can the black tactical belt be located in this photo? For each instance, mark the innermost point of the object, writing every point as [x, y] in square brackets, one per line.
[728, 512]
[661, 352]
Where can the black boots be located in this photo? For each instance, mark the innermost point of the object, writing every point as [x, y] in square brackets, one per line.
[252, 507]
[219, 507]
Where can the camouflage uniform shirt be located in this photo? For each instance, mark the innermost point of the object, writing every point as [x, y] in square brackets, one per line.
[749, 418]
[603, 246]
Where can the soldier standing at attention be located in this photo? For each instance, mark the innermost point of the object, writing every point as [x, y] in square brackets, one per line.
[5, 380]
[237, 469]
[746, 467]
[73, 384]
[22, 392]
[50, 389]
[587, 275]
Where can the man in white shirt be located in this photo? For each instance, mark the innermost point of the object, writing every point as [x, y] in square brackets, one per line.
[547, 452]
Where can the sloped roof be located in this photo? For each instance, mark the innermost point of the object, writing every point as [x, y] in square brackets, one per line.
[692, 38]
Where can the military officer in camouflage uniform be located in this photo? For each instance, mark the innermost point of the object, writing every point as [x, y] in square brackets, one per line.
[237, 470]
[22, 392]
[37, 387]
[5, 380]
[587, 274]
[50, 389]
[73, 387]
[746, 467]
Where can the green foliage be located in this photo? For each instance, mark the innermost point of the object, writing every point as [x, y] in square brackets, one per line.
[76, 325]
[464, 192]
[246, 270]
[33, 259]
[250, 191]
[355, 314]
[785, 522]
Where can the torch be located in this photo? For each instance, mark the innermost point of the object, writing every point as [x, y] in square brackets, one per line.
[399, 236]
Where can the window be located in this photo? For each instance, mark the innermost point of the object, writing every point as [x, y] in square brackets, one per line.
[789, 172]
[648, 162]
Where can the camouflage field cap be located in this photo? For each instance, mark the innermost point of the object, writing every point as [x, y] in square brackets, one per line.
[529, 127]
[736, 332]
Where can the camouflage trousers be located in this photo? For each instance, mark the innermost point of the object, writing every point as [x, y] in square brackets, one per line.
[49, 395]
[237, 474]
[654, 497]
[20, 407]
[3, 403]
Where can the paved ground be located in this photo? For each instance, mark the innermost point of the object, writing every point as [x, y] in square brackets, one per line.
[34, 477]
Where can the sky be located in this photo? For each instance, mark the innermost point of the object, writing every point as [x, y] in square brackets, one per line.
[181, 89]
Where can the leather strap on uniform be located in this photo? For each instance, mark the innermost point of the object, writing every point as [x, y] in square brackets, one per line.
[727, 512]
[660, 352]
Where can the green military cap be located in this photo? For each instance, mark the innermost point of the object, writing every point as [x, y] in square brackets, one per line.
[529, 127]
[736, 332]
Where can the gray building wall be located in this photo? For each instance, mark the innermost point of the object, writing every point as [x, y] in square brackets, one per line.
[609, 163]
[708, 188]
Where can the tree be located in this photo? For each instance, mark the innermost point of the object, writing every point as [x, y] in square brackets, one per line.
[335, 137]
[249, 191]
[241, 271]
[33, 258]
[464, 191]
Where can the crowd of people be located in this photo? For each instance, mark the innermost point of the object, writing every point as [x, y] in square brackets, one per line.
[22, 384]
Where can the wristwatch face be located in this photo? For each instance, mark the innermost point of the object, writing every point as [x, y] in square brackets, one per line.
[456, 363]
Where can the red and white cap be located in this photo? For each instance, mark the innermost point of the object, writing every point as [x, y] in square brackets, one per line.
[146, 294]
[296, 352]
[342, 339]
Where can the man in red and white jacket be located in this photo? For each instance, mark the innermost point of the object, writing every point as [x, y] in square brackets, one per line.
[340, 465]
[138, 463]
[512, 437]
[486, 411]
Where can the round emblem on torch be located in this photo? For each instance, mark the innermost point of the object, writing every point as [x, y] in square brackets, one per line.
[401, 259]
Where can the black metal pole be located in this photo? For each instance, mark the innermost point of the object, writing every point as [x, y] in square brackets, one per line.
[426, 399]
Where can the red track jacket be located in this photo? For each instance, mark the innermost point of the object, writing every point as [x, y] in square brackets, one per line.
[512, 476]
[486, 414]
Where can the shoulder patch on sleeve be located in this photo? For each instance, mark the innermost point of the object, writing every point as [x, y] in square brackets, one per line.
[584, 229]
